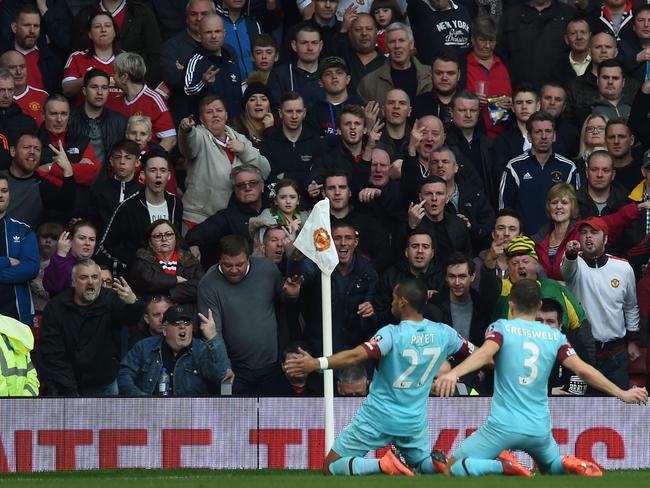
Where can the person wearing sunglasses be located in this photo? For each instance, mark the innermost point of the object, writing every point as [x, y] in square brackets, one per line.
[162, 267]
[245, 204]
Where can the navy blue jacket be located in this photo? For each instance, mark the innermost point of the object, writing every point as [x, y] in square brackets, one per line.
[525, 184]
[227, 83]
[19, 243]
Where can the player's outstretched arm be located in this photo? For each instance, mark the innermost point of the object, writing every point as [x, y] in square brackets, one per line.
[446, 384]
[306, 363]
[596, 379]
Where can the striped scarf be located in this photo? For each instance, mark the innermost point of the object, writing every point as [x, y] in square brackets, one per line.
[169, 267]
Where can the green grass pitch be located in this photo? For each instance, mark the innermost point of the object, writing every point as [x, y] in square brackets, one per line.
[301, 479]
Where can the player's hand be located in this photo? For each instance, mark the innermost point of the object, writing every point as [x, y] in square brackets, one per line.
[61, 158]
[187, 124]
[64, 244]
[124, 291]
[573, 247]
[314, 189]
[368, 194]
[416, 214]
[638, 396]
[365, 310]
[210, 75]
[304, 364]
[445, 385]
[207, 325]
[14, 261]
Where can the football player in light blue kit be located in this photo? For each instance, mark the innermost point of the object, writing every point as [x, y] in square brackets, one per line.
[524, 351]
[395, 411]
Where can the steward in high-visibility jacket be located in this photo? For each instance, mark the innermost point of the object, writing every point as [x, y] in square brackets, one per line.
[17, 373]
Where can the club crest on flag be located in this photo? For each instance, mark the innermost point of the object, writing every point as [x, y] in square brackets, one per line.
[322, 239]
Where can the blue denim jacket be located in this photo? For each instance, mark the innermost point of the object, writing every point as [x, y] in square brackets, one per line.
[203, 363]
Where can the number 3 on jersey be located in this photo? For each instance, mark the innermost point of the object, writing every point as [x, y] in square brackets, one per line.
[430, 353]
[529, 363]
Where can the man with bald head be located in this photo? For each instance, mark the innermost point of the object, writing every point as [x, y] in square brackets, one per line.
[212, 69]
[426, 135]
[583, 90]
[396, 110]
[357, 44]
[177, 51]
[13, 121]
[28, 98]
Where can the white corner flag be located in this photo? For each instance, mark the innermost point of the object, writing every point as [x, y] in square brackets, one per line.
[315, 238]
[315, 241]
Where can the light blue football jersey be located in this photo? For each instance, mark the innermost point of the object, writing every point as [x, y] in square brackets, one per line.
[411, 354]
[523, 364]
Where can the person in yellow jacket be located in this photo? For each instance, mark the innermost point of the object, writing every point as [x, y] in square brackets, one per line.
[17, 373]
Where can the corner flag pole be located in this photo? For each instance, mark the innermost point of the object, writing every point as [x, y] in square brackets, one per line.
[315, 242]
[328, 374]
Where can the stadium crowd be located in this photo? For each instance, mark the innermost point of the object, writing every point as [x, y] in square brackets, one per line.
[159, 158]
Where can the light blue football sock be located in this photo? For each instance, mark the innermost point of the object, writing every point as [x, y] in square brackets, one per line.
[476, 467]
[354, 466]
[426, 466]
[556, 466]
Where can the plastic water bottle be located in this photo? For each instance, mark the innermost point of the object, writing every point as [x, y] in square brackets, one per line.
[164, 383]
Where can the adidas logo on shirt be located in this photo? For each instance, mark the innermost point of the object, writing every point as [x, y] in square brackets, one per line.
[527, 176]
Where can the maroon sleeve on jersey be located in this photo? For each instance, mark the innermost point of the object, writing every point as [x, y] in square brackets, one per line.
[493, 335]
[465, 350]
[372, 348]
[565, 351]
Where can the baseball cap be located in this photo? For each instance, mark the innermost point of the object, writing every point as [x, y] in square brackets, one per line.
[178, 312]
[332, 62]
[595, 223]
[521, 245]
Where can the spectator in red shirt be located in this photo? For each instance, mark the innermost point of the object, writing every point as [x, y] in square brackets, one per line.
[487, 76]
[80, 152]
[100, 53]
[139, 99]
[29, 99]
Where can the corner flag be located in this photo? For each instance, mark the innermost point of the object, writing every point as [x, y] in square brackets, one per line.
[315, 238]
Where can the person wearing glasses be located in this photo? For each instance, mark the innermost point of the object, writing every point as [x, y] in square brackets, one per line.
[162, 267]
[212, 149]
[195, 366]
[246, 203]
[125, 231]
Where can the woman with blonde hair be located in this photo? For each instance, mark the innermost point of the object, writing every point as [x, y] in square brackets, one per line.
[563, 213]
